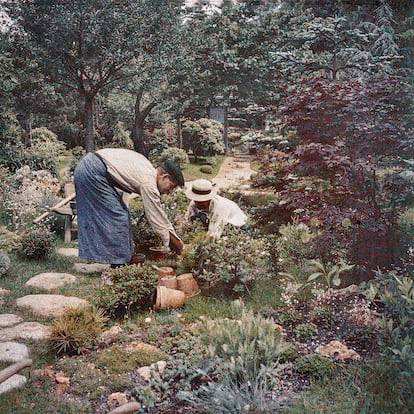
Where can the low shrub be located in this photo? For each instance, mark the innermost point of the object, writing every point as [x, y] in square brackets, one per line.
[77, 153]
[132, 288]
[9, 240]
[305, 330]
[248, 395]
[244, 344]
[323, 314]
[44, 152]
[206, 169]
[177, 155]
[203, 137]
[121, 138]
[37, 243]
[314, 365]
[232, 263]
[76, 330]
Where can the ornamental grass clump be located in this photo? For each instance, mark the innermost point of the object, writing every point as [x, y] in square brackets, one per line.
[132, 287]
[76, 330]
[245, 344]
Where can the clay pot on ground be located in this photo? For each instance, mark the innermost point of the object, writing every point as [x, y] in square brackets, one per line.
[165, 271]
[169, 282]
[187, 284]
[166, 298]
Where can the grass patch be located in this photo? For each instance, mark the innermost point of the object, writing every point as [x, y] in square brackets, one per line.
[87, 380]
[192, 171]
[21, 270]
[375, 388]
[266, 295]
[208, 307]
[39, 396]
[117, 361]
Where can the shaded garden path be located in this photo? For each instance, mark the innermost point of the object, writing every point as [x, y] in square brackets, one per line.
[234, 173]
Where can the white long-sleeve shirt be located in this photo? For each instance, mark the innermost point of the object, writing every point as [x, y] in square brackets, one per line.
[222, 211]
[135, 174]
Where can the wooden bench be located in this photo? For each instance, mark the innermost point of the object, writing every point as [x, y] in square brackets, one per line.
[67, 208]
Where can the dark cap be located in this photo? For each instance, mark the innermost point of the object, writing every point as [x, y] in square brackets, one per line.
[173, 171]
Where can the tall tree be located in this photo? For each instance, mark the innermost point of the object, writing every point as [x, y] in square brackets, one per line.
[86, 45]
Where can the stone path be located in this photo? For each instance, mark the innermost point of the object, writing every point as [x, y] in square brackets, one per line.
[234, 172]
[51, 281]
[68, 251]
[13, 328]
[49, 305]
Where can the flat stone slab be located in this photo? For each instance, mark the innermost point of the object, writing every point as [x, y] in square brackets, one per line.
[68, 251]
[50, 281]
[8, 319]
[49, 305]
[15, 381]
[25, 330]
[13, 351]
[91, 267]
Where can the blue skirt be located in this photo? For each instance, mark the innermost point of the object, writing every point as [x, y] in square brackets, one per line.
[104, 225]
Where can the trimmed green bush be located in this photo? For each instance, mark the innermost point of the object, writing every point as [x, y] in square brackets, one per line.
[206, 169]
[316, 366]
[178, 155]
[37, 243]
[132, 288]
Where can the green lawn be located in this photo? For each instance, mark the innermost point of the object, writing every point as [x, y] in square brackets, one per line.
[192, 171]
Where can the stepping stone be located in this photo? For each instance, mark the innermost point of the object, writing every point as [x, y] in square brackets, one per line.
[91, 267]
[68, 251]
[49, 305]
[8, 319]
[50, 281]
[25, 330]
[15, 381]
[13, 351]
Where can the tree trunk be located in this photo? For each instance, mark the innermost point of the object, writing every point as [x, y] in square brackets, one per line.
[179, 131]
[89, 124]
[25, 120]
[137, 133]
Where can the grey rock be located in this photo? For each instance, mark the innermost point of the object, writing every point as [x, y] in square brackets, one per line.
[4, 263]
[68, 251]
[49, 305]
[50, 281]
[13, 351]
[15, 381]
[26, 330]
[8, 319]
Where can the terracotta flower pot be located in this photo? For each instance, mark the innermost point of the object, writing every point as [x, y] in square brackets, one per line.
[166, 298]
[165, 271]
[187, 284]
[169, 282]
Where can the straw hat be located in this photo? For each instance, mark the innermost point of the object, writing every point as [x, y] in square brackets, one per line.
[200, 190]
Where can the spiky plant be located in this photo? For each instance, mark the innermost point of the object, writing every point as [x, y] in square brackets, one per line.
[77, 329]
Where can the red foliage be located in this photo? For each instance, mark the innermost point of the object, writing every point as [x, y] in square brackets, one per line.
[370, 117]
